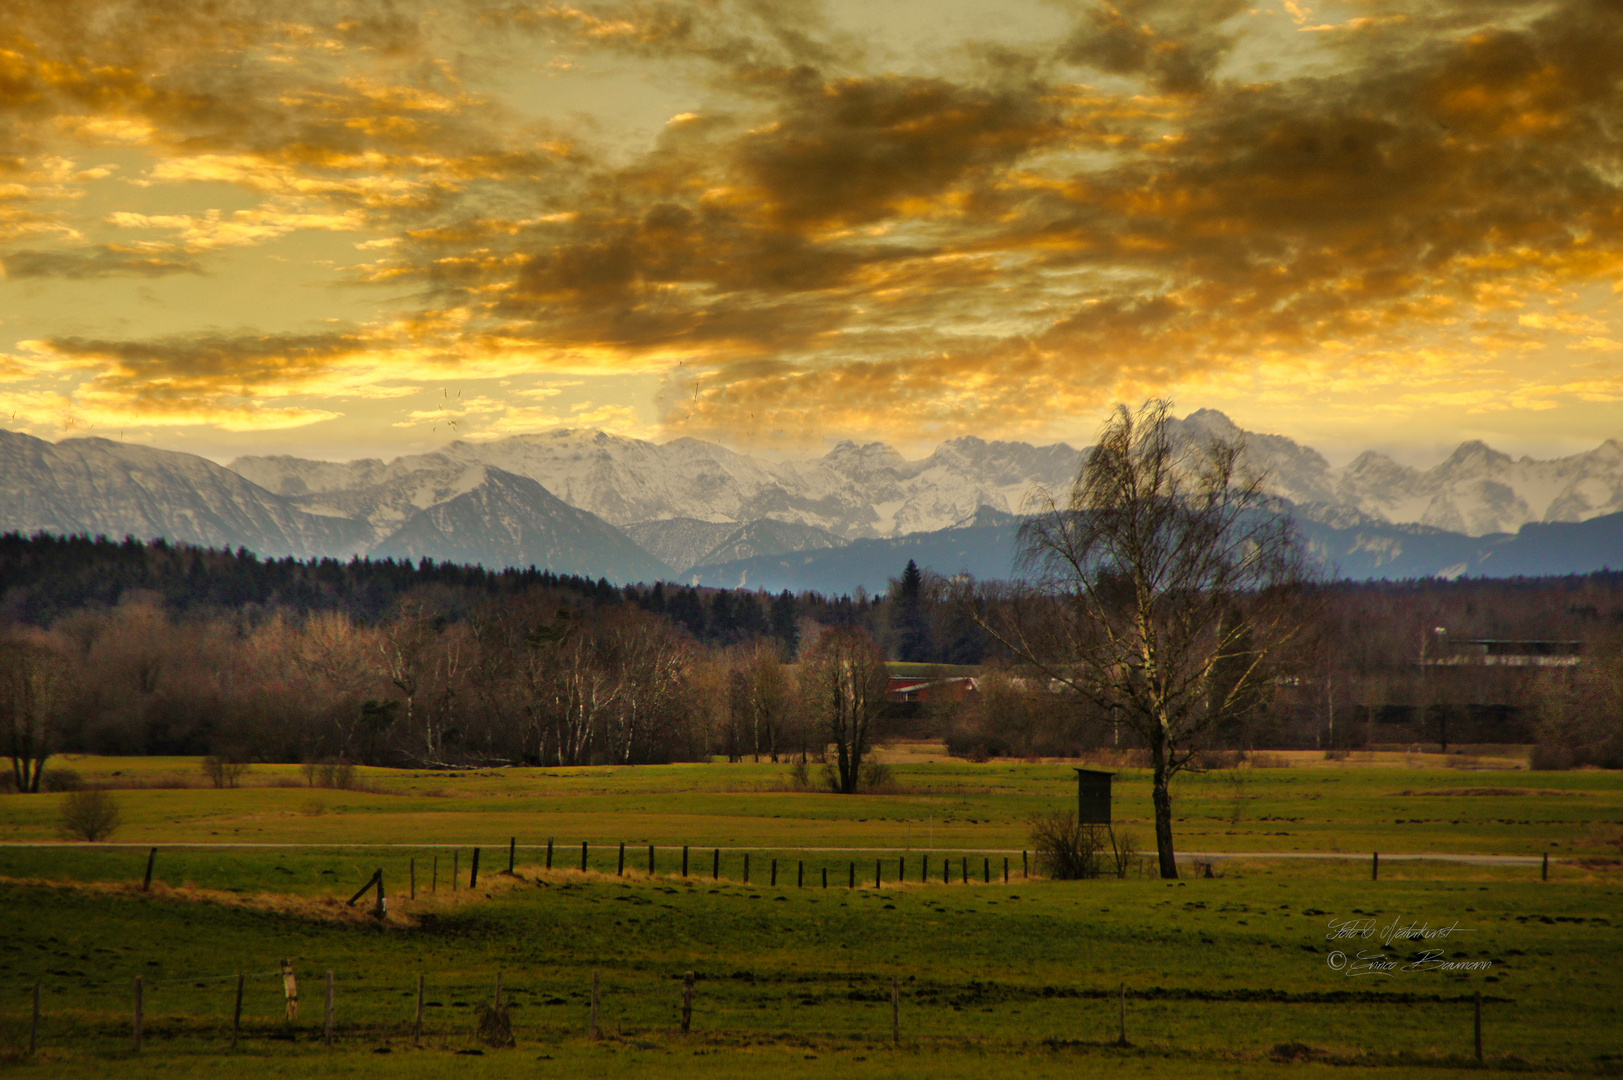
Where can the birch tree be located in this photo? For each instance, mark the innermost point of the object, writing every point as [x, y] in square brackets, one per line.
[1166, 589]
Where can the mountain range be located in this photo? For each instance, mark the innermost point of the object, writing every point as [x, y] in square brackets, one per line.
[599, 504]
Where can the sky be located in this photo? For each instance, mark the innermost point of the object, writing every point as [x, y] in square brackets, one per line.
[343, 229]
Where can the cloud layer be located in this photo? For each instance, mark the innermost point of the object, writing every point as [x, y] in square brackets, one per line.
[1400, 208]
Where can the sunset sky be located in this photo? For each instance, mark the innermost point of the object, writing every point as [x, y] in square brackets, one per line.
[345, 229]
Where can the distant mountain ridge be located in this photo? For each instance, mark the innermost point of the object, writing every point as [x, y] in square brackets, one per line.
[448, 512]
[597, 504]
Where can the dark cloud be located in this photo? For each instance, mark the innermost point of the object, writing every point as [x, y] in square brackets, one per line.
[1175, 45]
[185, 368]
[99, 262]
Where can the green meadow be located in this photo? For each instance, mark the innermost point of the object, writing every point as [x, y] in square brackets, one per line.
[1233, 974]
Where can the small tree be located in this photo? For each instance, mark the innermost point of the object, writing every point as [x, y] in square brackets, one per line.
[89, 815]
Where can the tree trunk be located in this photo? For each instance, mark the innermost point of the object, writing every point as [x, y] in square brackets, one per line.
[1161, 793]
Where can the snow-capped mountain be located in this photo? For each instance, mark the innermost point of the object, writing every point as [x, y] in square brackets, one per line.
[433, 507]
[99, 486]
[852, 491]
[691, 504]
[506, 520]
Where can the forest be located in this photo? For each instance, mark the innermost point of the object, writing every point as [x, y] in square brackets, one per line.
[125, 647]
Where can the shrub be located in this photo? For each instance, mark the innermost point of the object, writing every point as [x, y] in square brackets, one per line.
[800, 777]
[59, 780]
[1123, 851]
[89, 815]
[876, 777]
[495, 1026]
[1212, 760]
[223, 772]
[1067, 850]
[330, 773]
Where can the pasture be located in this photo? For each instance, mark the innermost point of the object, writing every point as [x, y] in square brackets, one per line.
[1233, 974]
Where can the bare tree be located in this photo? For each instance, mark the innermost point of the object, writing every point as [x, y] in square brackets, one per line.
[844, 681]
[1165, 590]
[33, 680]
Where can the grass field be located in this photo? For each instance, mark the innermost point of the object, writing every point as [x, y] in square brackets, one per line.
[1231, 975]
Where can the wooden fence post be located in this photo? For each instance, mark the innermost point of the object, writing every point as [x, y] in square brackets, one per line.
[774, 873]
[1025, 868]
[851, 881]
[1005, 869]
[650, 860]
[417, 1021]
[687, 1002]
[326, 1023]
[946, 870]
[620, 867]
[138, 1012]
[1546, 875]
[684, 860]
[456, 867]
[596, 1033]
[825, 877]
[382, 911]
[549, 853]
[33, 1025]
[924, 872]
[434, 877]
[236, 1011]
[414, 879]
[746, 868]
[715, 868]
[583, 856]
[152, 858]
[986, 868]
[895, 1011]
[964, 870]
[878, 866]
[512, 853]
[290, 990]
[800, 874]
[473, 872]
[1479, 1025]
[1123, 1040]
[901, 868]
[1375, 867]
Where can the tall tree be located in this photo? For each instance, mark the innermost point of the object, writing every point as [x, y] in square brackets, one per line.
[1166, 590]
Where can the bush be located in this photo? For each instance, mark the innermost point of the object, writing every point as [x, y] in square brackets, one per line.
[330, 773]
[800, 777]
[59, 780]
[89, 815]
[874, 776]
[223, 772]
[495, 1026]
[1067, 850]
[1123, 852]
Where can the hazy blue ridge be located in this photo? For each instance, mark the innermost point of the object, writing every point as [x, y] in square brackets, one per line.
[987, 550]
[510, 520]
